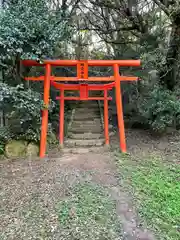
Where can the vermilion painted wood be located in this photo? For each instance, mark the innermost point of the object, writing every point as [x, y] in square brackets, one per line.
[77, 87]
[124, 63]
[83, 91]
[61, 118]
[44, 124]
[84, 99]
[82, 69]
[106, 122]
[90, 79]
[119, 109]
[82, 75]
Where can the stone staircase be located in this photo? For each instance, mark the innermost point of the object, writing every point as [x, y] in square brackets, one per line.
[86, 132]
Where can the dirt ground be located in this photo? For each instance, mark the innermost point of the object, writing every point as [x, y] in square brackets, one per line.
[31, 188]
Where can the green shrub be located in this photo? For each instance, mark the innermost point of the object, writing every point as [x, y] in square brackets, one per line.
[1, 149]
[160, 109]
[22, 108]
[5, 136]
[30, 30]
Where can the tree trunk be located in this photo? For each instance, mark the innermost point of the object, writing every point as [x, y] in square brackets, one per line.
[169, 74]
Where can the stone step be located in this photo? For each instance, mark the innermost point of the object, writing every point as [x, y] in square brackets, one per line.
[84, 142]
[110, 127]
[89, 120]
[87, 111]
[87, 106]
[84, 124]
[88, 103]
[86, 136]
[86, 116]
[88, 126]
[87, 129]
[91, 129]
[84, 150]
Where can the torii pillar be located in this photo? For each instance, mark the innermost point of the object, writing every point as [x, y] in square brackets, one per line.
[82, 75]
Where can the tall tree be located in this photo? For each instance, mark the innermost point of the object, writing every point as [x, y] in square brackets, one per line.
[135, 27]
[29, 29]
[171, 69]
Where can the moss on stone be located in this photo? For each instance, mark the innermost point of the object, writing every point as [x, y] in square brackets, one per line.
[32, 149]
[16, 148]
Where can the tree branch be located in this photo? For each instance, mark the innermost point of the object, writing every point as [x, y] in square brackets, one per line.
[108, 31]
[162, 6]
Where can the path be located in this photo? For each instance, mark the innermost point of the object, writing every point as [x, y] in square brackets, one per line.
[31, 190]
[86, 131]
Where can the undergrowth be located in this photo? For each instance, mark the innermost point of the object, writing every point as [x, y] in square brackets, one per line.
[156, 189]
[89, 213]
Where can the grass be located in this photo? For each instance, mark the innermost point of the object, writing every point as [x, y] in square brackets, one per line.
[156, 187]
[89, 213]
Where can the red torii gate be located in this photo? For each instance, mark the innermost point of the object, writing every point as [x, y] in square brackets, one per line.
[84, 96]
[82, 75]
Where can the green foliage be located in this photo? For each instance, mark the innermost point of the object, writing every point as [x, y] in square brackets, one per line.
[23, 110]
[1, 149]
[88, 214]
[157, 192]
[153, 59]
[5, 135]
[28, 28]
[160, 109]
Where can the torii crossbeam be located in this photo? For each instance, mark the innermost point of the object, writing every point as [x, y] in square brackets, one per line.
[82, 75]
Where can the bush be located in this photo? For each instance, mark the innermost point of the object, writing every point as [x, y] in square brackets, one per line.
[5, 136]
[160, 109]
[29, 29]
[22, 108]
[1, 149]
